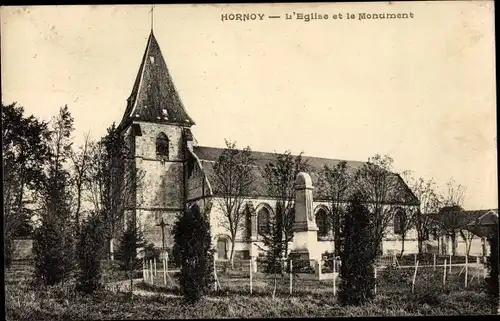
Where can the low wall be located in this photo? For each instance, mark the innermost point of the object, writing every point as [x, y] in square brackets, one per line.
[22, 249]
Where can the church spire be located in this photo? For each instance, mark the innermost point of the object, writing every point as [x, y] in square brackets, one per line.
[154, 97]
[152, 16]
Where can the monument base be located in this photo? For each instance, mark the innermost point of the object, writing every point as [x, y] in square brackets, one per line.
[301, 261]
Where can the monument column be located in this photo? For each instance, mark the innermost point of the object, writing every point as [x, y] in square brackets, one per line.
[305, 237]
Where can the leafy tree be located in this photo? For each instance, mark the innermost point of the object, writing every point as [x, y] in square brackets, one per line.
[131, 241]
[89, 249]
[280, 177]
[357, 269]
[334, 183]
[232, 180]
[56, 195]
[192, 240]
[24, 150]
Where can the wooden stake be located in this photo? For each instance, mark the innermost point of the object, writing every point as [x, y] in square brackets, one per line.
[450, 266]
[466, 268]
[291, 277]
[251, 279]
[274, 290]
[215, 275]
[477, 268]
[415, 259]
[154, 265]
[444, 273]
[152, 272]
[166, 263]
[375, 288]
[414, 277]
[334, 277]
[143, 272]
[164, 271]
[434, 262]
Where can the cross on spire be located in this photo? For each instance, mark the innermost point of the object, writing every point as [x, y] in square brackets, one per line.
[152, 15]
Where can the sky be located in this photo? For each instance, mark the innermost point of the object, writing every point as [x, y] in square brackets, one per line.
[421, 90]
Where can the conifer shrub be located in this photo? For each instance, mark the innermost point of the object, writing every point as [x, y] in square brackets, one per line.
[127, 255]
[90, 251]
[357, 268]
[194, 252]
[53, 253]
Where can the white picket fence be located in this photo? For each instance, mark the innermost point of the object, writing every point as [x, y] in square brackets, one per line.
[151, 271]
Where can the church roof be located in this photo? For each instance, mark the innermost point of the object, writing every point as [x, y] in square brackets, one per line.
[154, 97]
[208, 156]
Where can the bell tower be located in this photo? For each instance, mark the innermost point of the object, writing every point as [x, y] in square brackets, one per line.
[156, 127]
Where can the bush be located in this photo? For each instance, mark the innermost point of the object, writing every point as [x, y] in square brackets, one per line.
[492, 264]
[7, 250]
[357, 268]
[131, 240]
[193, 243]
[90, 249]
[151, 252]
[396, 276]
[53, 253]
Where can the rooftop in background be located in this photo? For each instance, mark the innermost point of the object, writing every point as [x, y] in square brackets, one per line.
[477, 221]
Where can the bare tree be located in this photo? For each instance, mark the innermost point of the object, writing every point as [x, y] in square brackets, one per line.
[425, 191]
[333, 185]
[450, 214]
[469, 232]
[81, 163]
[380, 187]
[404, 221]
[280, 177]
[232, 181]
[94, 185]
[112, 181]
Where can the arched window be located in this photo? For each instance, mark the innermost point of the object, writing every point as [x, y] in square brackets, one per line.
[263, 221]
[162, 145]
[222, 248]
[399, 221]
[322, 222]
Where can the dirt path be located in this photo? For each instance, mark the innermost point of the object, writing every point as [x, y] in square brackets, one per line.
[124, 286]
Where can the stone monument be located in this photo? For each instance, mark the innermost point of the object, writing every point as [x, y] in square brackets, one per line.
[305, 237]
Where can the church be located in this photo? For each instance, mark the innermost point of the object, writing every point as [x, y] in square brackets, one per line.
[175, 172]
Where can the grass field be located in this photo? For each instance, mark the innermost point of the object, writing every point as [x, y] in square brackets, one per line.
[310, 299]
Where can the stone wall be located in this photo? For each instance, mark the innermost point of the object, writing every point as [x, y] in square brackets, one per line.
[391, 244]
